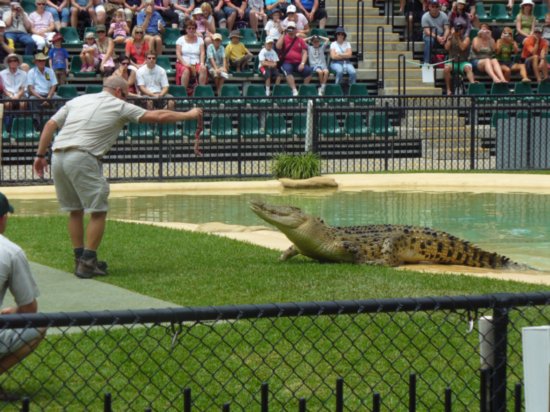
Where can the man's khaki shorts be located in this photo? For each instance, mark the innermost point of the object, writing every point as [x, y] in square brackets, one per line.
[11, 340]
[79, 181]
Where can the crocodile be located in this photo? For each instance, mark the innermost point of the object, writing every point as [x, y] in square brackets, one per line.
[390, 245]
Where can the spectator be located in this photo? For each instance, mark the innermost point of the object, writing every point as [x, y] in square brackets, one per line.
[525, 21]
[105, 47]
[216, 62]
[458, 47]
[131, 9]
[111, 7]
[274, 27]
[89, 54]
[302, 25]
[313, 12]
[546, 27]
[152, 82]
[534, 52]
[42, 25]
[82, 11]
[459, 15]
[169, 16]
[41, 83]
[100, 12]
[294, 57]
[153, 23]
[136, 47]
[482, 55]
[18, 27]
[435, 26]
[237, 55]
[205, 28]
[60, 12]
[191, 56]
[340, 55]
[183, 9]
[413, 10]
[209, 18]
[59, 59]
[7, 46]
[506, 48]
[128, 72]
[14, 81]
[318, 61]
[15, 275]
[119, 29]
[235, 10]
[268, 59]
[271, 5]
[257, 14]
[217, 7]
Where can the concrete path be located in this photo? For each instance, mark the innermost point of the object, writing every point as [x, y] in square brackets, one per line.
[64, 292]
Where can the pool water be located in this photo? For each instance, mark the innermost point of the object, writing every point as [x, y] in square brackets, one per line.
[513, 224]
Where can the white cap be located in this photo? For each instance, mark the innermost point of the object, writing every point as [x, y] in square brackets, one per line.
[196, 11]
[2, 24]
[291, 9]
[526, 3]
[291, 24]
[269, 39]
[461, 1]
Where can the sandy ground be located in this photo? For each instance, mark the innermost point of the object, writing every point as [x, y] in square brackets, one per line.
[497, 182]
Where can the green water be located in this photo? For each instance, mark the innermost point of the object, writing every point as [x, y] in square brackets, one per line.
[514, 224]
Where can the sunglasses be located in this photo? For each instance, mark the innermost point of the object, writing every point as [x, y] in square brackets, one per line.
[100, 31]
[124, 63]
[139, 32]
[151, 58]
[40, 4]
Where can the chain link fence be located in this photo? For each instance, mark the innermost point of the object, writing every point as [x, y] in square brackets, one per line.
[386, 355]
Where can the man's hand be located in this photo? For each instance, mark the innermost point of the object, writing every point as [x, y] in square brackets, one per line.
[195, 113]
[8, 311]
[40, 166]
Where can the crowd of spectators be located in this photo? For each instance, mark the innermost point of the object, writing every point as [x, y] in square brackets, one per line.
[495, 51]
[289, 49]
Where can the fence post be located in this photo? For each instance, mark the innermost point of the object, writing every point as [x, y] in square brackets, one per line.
[187, 400]
[265, 397]
[107, 403]
[302, 405]
[380, 46]
[473, 122]
[448, 400]
[376, 402]
[412, 392]
[498, 379]
[339, 395]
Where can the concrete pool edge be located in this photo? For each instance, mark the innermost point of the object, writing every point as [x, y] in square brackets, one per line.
[471, 182]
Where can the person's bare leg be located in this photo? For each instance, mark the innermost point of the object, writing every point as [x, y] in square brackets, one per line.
[95, 230]
[291, 82]
[76, 228]
[506, 72]
[498, 71]
[14, 358]
[544, 69]
[469, 74]
[185, 78]
[447, 77]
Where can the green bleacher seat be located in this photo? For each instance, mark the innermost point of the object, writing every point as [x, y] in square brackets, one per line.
[540, 11]
[477, 89]
[501, 89]
[329, 126]
[164, 62]
[525, 90]
[169, 131]
[249, 38]
[380, 125]
[206, 94]
[481, 13]
[249, 126]
[222, 127]
[499, 13]
[257, 91]
[515, 10]
[76, 65]
[180, 94]
[29, 6]
[189, 128]
[544, 87]
[28, 59]
[67, 91]
[231, 94]
[22, 130]
[336, 93]
[225, 35]
[299, 125]
[141, 131]
[307, 90]
[356, 125]
[170, 36]
[93, 88]
[70, 37]
[275, 125]
[359, 95]
[282, 90]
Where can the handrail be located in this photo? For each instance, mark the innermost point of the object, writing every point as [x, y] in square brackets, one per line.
[401, 66]
[380, 52]
[340, 6]
[360, 30]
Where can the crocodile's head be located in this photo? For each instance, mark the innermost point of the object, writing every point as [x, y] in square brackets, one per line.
[282, 217]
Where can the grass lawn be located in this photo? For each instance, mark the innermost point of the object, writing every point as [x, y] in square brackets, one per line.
[223, 361]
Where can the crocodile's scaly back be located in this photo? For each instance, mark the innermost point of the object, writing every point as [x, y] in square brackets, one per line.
[375, 244]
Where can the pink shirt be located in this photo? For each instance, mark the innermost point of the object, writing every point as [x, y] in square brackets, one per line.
[41, 22]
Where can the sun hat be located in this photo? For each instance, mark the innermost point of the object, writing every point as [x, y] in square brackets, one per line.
[57, 37]
[276, 10]
[341, 30]
[40, 56]
[526, 3]
[291, 9]
[217, 36]
[538, 28]
[100, 27]
[235, 33]
[461, 1]
[16, 4]
[196, 11]
[5, 206]
[11, 56]
[269, 39]
[89, 35]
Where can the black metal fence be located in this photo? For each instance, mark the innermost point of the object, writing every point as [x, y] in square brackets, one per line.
[389, 354]
[352, 133]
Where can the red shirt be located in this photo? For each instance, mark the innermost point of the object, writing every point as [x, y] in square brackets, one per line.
[528, 45]
[294, 55]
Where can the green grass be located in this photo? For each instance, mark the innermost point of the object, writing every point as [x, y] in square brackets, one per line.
[222, 361]
[199, 269]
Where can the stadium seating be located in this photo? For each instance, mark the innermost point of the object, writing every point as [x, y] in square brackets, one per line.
[22, 130]
[249, 126]
[67, 91]
[221, 127]
[275, 125]
[355, 125]
[380, 126]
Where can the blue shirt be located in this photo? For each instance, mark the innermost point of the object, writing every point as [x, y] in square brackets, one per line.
[42, 82]
[59, 58]
[308, 4]
[153, 22]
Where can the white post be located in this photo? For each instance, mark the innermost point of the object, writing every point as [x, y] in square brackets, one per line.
[486, 342]
[536, 368]
[309, 127]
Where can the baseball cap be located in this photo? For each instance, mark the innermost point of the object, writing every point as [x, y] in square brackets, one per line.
[5, 206]
[269, 39]
[291, 9]
[217, 36]
[291, 25]
[538, 28]
[57, 37]
[434, 3]
[15, 4]
[196, 11]
[89, 35]
[461, 1]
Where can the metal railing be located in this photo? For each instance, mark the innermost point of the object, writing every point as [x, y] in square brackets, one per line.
[420, 353]
[360, 24]
[352, 134]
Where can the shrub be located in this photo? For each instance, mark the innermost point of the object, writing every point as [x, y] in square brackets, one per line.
[302, 166]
